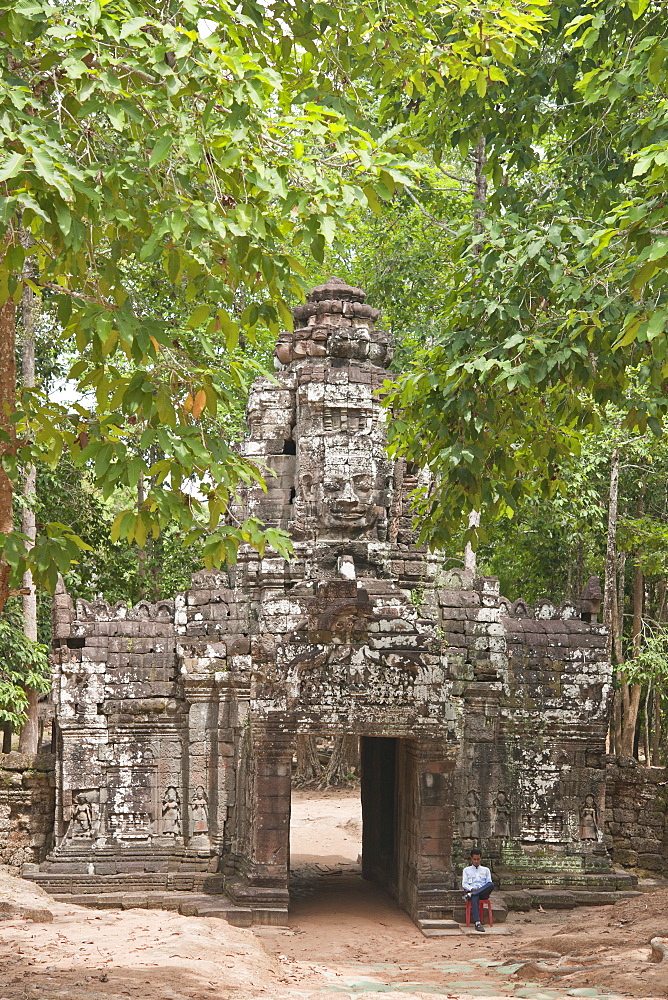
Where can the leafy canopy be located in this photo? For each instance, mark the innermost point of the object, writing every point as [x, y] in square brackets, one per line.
[211, 140]
[141, 133]
[558, 308]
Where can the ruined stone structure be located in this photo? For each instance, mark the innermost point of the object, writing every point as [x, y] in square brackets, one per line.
[27, 792]
[481, 722]
[636, 822]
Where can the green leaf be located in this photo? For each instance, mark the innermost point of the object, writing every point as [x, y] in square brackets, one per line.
[657, 324]
[198, 317]
[328, 228]
[12, 166]
[161, 150]
[318, 248]
[44, 165]
[643, 275]
[637, 7]
[132, 25]
[229, 328]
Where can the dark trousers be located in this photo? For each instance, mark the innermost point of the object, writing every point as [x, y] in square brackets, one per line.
[476, 896]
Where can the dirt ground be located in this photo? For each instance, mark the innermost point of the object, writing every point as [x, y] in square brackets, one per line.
[346, 937]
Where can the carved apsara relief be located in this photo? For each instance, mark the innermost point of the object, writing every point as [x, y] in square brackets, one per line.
[199, 812]
[501, 826]
[588, 819]
[81, 820]
[171, 813]
[471, 824]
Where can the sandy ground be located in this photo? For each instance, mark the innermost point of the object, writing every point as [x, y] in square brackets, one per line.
[346, 938]
[325, 827]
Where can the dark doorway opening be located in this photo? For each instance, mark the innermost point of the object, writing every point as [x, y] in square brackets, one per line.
[378, 756]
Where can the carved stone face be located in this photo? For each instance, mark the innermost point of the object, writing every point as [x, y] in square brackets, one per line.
[349, 501]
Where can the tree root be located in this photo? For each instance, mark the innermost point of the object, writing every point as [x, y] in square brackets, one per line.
[540, 968]
[556, 971]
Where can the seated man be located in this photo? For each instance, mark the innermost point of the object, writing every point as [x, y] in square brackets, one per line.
[477, 883]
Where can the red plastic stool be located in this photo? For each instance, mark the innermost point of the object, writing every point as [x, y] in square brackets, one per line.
[482, 903]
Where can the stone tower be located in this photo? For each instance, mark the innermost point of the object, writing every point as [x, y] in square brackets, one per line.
[319, 428]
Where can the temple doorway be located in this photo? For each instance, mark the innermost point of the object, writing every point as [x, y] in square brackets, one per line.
[343, 840]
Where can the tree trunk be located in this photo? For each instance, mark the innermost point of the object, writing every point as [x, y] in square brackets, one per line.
[479, 212]
[646, 726]
[656, 733]
[480, 193]
[621, 594]
[631, 695]
[662, 590]
[7, 737]
[610, 592]
[638, 595]
[344, 760]
[141, 553]
[621, 694]
[470, 561]
[614, 618]
[308, 763]
[29, 735]
[7, 408]
[617, 715]
[611, 551]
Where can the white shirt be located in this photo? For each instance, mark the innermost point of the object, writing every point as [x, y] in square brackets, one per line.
[475, 877]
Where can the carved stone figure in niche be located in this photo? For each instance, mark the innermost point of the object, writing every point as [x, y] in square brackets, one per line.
[470, 825]
[199, 811]
[588, 820]
[171, 812]
[81, 824]
[501, 815]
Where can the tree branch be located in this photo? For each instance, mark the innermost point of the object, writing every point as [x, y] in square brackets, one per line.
[100, 300]
[453, 177]
[424, 211]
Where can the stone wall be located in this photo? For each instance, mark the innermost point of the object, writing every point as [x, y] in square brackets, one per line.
[636, 826]
[27, 800]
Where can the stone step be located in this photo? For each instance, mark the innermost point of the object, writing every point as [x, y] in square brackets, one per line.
[190, 904]
[609, 880]
[439, 927]
[59, 883]
[563, 898]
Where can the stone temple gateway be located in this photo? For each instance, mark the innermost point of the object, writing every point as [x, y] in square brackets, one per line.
[481, 722]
